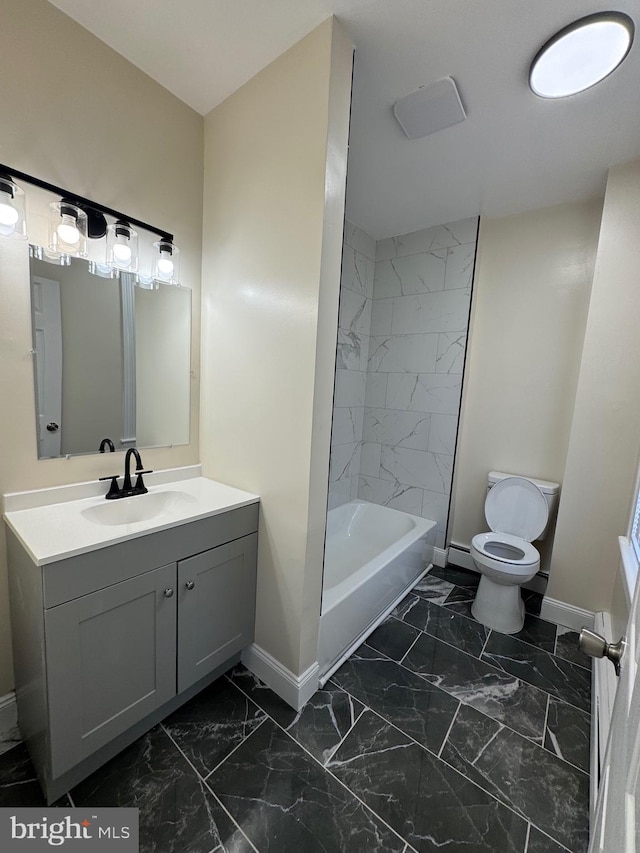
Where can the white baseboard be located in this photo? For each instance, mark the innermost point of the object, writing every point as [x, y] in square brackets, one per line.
[440, 557]
[460, 556]
[8, 715]
[566, 614]
[553, 611]
[295, 690]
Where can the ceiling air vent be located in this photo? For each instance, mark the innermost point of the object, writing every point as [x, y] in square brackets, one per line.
[433, 107]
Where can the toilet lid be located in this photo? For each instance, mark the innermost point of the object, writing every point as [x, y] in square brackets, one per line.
[518, 507]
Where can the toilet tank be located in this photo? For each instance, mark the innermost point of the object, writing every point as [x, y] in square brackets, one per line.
[548, 489]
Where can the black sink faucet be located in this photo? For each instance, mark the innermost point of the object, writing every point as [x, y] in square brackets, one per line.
[106, 442]
[139, 488]
[127, 489]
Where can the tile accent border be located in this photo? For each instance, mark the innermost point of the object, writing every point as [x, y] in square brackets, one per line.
[295, 690]
[566, 614]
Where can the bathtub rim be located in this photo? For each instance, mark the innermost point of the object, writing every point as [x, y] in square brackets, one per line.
[422, 527]
[371, 627]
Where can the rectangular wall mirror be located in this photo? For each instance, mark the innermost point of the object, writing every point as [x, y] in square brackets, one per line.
[111, 360]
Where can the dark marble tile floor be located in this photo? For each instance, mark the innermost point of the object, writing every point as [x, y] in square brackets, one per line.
[18, 783]
[565, 680]
[436, 734]
[567, 647]
[420, 796]
[490, 690]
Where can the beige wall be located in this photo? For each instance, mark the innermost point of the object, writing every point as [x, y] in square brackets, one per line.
[531, 297]
[275, 165]
[605, 434]
[80, 116]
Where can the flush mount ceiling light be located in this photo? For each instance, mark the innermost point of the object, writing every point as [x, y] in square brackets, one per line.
[581, 55]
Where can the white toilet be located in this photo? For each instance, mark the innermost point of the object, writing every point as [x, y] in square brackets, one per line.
[518, 511]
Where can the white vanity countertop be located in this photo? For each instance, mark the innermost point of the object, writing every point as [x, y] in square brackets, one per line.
[64, 529]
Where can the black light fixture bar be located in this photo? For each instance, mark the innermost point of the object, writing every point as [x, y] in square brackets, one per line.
[82, 202]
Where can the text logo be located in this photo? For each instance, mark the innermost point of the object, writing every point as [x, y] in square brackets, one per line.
[72, 830]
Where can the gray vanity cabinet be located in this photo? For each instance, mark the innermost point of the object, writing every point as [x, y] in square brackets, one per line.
[109, 642]
[216, 607]
[114, 652]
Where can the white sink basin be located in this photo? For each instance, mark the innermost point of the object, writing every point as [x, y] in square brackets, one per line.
[137, 508]
[66, 521]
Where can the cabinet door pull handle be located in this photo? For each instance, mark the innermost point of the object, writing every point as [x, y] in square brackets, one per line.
[190, 584]
[168, 592]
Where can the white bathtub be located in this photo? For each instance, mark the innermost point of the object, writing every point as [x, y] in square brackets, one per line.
[373, 555]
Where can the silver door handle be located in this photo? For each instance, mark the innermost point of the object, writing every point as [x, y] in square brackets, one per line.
[52, 426]
[596, 646]
[168, 592]
[190, 584]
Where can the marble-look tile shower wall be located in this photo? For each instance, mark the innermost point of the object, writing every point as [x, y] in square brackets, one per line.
[418, 333]
[354, 321]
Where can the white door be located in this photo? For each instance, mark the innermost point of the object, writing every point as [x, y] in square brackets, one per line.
[47, 333]
[616, 827]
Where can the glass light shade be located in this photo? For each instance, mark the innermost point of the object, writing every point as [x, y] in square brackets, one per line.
[103, 270]
[122, 246]
[42, 253]
[581, 55]
[167, 262]
[12, 210]
[146, 282]
[67, 229]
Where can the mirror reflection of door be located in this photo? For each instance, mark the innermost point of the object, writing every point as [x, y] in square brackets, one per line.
[47, 331]
[92, 355]
[123, 364]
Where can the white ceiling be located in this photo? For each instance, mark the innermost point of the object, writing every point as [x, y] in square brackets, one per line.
[514, 151]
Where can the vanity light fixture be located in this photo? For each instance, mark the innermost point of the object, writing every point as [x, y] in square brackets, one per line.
[74, 218]
[122, 246]
[581, 55]
[67, 229]
[167, 265]
[12, 209]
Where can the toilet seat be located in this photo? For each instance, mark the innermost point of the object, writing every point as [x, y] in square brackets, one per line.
[516, 506]
[517, 552]
[517, 512]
